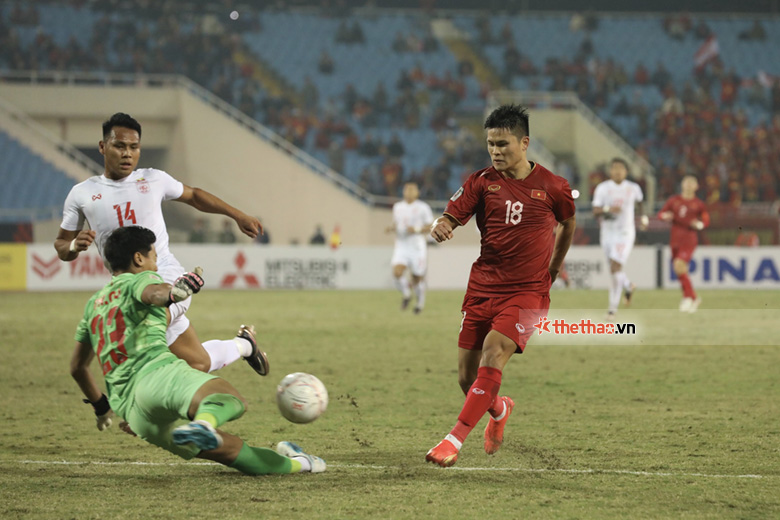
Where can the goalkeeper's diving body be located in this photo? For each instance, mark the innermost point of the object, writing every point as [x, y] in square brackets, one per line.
[124, 325]
[125, 196]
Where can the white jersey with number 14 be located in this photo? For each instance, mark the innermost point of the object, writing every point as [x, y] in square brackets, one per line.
[135, 200]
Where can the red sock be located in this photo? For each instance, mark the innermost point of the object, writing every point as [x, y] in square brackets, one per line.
[481, 396]
[687, 286]
[496, 409]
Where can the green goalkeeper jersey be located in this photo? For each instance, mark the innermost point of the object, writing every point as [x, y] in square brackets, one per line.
[128, 336]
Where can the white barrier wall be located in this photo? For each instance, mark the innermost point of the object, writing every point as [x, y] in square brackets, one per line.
[256, 267]
[729, 268]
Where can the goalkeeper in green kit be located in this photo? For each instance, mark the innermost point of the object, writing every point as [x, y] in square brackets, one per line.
[124, 324]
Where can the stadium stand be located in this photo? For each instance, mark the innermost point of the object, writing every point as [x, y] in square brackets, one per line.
[378, 97]
[30, 184]
[717, 117]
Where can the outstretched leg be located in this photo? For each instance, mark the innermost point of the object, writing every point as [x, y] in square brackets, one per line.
[216, 403]
[496, 351]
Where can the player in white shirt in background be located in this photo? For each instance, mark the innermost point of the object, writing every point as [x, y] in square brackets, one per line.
[613, 204]
[412, 219]
[124, 196]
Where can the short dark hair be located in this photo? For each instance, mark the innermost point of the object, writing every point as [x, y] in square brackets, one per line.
[512, 117]
[622, 161]
[124, 242]
[122, 120]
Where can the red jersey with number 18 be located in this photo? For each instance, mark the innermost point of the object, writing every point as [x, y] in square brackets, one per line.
[516, 219]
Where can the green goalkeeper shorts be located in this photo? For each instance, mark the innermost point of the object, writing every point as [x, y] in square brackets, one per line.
[162, 400]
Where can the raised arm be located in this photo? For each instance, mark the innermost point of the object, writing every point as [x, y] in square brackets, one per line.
[563, 240]
[208, 203]
[70, 243]
[164, 294]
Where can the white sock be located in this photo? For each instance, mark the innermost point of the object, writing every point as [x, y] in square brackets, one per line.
[501, 416]
[614, 292]
[455, 442]
[402, 284]
[305, 464]
[625, 283]
[244, 347]
[419, 293]
[223, 351]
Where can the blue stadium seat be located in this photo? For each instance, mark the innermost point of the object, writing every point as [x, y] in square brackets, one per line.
[29, 182]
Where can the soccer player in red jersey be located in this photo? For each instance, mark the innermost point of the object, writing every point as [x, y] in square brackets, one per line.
[688, 216]
[517, 204]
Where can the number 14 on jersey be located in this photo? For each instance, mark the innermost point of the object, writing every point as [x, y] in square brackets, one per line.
[126, 214]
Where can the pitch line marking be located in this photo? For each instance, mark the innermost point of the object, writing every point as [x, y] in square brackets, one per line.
[587, 471]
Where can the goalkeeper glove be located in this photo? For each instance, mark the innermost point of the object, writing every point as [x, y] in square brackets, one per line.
[103, 413]
[185, 286]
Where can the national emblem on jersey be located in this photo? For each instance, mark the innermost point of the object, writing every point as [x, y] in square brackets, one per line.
[142, 185]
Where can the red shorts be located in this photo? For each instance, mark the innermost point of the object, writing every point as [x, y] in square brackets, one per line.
[683, 252]
[513, 316]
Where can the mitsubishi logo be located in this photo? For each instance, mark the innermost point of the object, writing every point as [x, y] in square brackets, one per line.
[249, 278]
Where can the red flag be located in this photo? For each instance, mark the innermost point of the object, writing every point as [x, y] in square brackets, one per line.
[708, 51]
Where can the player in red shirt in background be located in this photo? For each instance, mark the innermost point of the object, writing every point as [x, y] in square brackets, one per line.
[688, 216]
[517, 204]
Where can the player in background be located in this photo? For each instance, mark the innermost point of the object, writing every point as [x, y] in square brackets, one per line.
[613, 204]
[412, 219]
[124, 196]
[688, 216]
[125, 325]
[517, 204]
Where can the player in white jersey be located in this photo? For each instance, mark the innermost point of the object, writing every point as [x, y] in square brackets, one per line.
[411, 220]
[613, 203]
[124, 196]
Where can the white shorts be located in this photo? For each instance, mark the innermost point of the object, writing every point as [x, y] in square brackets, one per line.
[416, 261]
[179, 321]
[618, 250]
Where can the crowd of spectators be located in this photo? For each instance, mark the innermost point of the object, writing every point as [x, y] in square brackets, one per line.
[205, 54]
[413, 43]
[700, 127]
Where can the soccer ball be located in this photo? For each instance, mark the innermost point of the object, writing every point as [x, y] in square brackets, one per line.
[301, 397]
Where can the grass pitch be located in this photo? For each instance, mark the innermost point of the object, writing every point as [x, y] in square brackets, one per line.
[687, 430]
